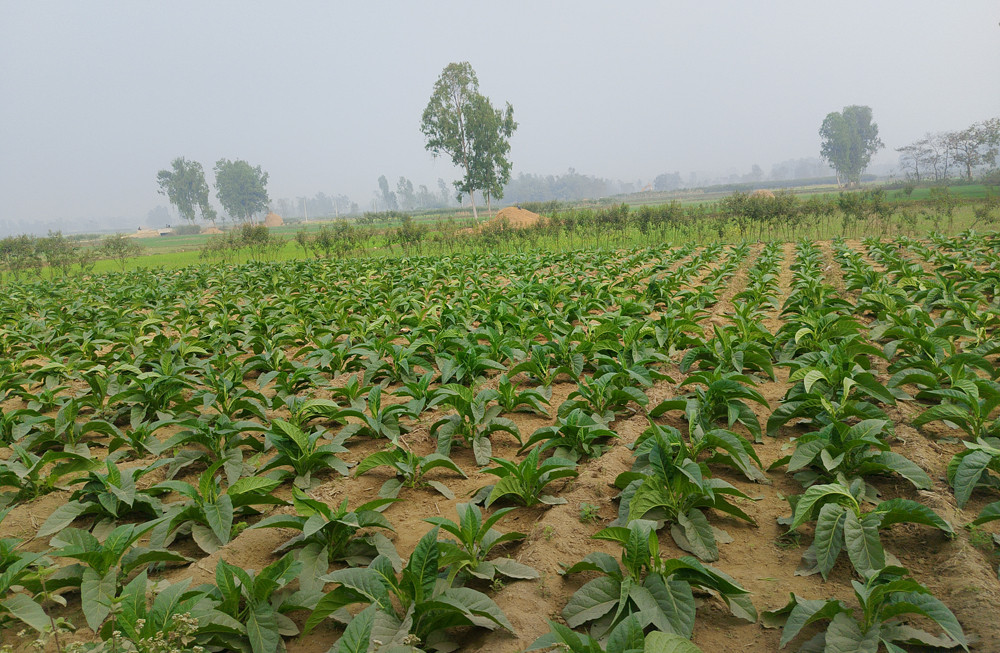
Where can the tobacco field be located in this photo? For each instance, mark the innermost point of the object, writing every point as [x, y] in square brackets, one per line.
[724, 447]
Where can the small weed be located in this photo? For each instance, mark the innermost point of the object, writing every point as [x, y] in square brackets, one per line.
[548, 532]
[981, 539]
[497, 584]
[543, 588]
[589, 513]
[788, 541]
[238, 528]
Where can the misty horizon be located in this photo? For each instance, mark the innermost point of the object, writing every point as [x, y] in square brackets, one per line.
[99, 97]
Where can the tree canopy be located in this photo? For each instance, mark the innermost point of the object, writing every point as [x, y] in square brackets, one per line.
[850, 138]
[241, 189]
[490, 130]
[185, 186]
[462, 123]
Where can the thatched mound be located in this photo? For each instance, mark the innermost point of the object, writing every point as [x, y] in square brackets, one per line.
[145, 233]
[516, 218]
[211, 231]
[273, 220]
[762, 192]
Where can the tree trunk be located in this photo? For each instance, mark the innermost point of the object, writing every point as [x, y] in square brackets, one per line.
[475, 215]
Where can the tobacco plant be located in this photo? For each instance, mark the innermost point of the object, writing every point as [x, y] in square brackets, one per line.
[474, 421]
[655, 591]
[885, 595]
[667, 485]
[411, 608]
[524, 481]
[410, 470]
[841, 523]
[209, 512]
[474, 539]
[304, 453]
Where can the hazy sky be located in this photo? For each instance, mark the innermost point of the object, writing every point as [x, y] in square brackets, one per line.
[95, 97]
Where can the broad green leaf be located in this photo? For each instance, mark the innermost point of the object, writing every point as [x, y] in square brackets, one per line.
[592, 601]
[253, 484]
[96, 594]
[513, 569]
[62, 517]
[698, 535]
[990, 512]
[967, 474]
[845, 636]
[23, 608]
[896, 511]
[627, 637]
[357, 635]
[804, 507]
[423, 565]
[676, 602]
[660, 642]
[262, 629]
[829, 536]
[805, 453]
[905, 468]
[862, 542]
[928, 606]
[486, 612]
[219, 515]
[377, 459]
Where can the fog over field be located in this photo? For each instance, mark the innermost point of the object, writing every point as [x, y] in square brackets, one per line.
[95, 97]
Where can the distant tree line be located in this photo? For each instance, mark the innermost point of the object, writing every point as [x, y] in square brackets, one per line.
[945, 155]
[565, 187]
[25, 255]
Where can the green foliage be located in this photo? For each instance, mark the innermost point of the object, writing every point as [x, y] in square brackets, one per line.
[716, 396]
[19, 574]
[841, 523]
[884, 596]
[410, 470]
[840, 450]
[525, 481]
[461, 123]
[302, 452]
[413, 602]
[626, 637]
[213, 439]
[850, 138]
[120, 248]
[108, 496]
[573, 436]
[655, 591]
[175, 618]
[604, 396]
[241, 189]
[967, 405]
[529, 400]
[104, 565]
[970, 469]
[381, 421]
[185, 186]
[209, 511]
[668, 485]
[31, 475]
[258, 602]
[474, 420]
[474, 539]
[330, 534]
